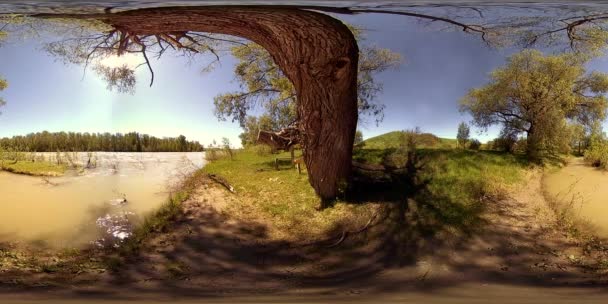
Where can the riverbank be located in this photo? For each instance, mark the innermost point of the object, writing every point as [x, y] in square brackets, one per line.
[579, 192]
[25, 265]
[34, 168]
[577, 195]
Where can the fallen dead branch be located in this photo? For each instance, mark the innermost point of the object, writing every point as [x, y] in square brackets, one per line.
[222, 181]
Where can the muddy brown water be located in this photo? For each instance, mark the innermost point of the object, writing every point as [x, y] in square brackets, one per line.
[89, 207]
[584, 189]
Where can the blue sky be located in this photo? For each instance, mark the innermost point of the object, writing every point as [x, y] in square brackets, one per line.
[439, 68]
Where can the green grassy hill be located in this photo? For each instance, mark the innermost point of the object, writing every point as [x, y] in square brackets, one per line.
[426, 141]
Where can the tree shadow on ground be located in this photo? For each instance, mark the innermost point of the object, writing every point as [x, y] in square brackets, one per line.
[280, 164]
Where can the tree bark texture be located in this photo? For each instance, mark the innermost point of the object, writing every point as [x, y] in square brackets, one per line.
[318, 54]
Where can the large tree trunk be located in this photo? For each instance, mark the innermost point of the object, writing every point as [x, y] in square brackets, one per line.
[318, 53]
[532, 145]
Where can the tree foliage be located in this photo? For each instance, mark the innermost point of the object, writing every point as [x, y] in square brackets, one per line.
[252, 127]
[3, 86]
[537, 95]
[264, 86]
[579, 138]
[96, 41]
[121, 78]
[463, 134]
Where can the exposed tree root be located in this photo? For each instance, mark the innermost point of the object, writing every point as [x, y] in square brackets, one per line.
[341, 237]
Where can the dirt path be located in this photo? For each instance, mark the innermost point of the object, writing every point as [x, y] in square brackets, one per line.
[583, 189]
[520, 254]
[522, 243]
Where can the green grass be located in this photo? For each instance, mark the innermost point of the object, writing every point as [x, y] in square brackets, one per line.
[283, 198]
[467, 177]
[38, 168]
[453, 186]
[454, 183]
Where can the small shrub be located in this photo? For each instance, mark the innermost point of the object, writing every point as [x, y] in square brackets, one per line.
[212, 154]
[475, 144]
[397, 159]
[408, 142]
[505, 144]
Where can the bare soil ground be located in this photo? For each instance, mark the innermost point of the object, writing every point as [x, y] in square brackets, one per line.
[520, 255]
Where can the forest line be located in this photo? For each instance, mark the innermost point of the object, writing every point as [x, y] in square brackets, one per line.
[101, 142]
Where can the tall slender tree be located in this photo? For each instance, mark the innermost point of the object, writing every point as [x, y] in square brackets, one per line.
[463, 134]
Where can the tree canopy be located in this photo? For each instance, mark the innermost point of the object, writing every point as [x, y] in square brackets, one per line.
[538, 95]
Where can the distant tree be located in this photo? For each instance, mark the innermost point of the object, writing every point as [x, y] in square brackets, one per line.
[358, 138]
[3, 86]
[463, 134]
[474, 144]
[225, 142]
[182, 143]
[535, 95]
[579, 138]
[226, 147]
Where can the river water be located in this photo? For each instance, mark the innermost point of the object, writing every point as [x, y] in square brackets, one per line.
[585, 190]
[100, 205]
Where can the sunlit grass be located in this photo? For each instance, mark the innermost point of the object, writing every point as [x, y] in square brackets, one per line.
[282, 197]
[459, 182]
[462, 175]
[38, 168]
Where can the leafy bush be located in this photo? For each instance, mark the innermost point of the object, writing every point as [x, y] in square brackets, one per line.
[408, 142]
[597, 154]
[475, 144]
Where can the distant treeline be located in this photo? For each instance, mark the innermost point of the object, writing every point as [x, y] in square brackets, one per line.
[71, 141]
